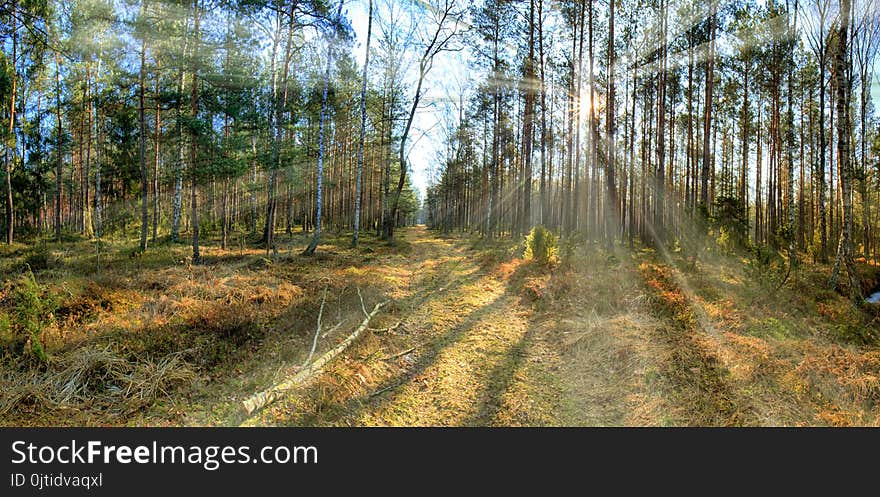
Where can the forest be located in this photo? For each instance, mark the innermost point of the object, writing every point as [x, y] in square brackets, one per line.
[561, 212]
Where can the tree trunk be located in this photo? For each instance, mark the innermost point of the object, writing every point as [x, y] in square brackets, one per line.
[790, 142]
[612, 216]
[659, 186]
[745, 147]
[156, 138]
[707, 114]
[844, 251]
[194, 109]
[528, 119]
[360, 160]
[177, 203]
[142, 144]
[10, 140]
[59, 148]
[542, 219]
[316, 236]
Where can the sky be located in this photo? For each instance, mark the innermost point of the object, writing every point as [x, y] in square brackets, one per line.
[427, 138]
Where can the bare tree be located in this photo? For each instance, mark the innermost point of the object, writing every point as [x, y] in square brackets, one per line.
[446, 15]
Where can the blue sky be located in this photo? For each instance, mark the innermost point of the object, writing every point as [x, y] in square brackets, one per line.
[426, 140]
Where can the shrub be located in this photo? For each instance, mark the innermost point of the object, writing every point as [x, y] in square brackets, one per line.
[29, 308]
[730, 223]
[541, 246]
[726, 240]
[39, 259]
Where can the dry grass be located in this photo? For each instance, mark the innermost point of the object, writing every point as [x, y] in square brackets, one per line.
[475, 335]
[801, 355]
[593, 314]
[93, 379]
[167, 319]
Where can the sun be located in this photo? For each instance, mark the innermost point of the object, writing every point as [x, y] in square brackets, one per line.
[597, 102]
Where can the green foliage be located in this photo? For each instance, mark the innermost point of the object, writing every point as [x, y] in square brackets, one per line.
[542, 246]
[39, 259]
[784, 234]
[27, 308]
[765, 266]
[726, 240]
[854, 332]
[731, 223]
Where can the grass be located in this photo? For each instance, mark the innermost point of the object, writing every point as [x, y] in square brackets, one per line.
[475, 334]
[799, 355]
[156, 312]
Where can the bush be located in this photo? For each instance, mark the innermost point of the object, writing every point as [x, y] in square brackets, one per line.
[541, 246]
[28, 309]
[726, 240]
[39, 259]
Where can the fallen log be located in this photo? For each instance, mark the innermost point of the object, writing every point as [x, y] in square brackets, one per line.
[266, 397]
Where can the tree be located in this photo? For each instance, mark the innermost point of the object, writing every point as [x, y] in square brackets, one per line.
[193, 144]
[444, 12]
[10, 137]
[528, 120]
[316, 236]
[707, 108]
[843, 86]
[865, 45]
[613, 216]
[360, 164]
[817, 34]
[659, 188]
[142, 135]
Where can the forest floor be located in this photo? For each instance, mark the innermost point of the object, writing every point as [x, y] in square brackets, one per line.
[472, 335]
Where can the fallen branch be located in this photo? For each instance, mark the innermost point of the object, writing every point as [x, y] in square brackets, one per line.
[318, 329]
[386, 330]
[334, 328]
[389, 387]
[266, 397]
[362, 301]
[399, 354]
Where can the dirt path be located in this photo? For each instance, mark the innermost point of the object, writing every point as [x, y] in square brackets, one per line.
[463, 353]
[476, 340]
[476, 337]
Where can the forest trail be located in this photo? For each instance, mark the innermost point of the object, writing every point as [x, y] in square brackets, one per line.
[477, 345]
[463, 353]
[473, 335]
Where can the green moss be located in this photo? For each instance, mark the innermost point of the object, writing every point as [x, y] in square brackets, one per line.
[773, 328]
